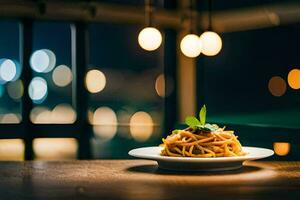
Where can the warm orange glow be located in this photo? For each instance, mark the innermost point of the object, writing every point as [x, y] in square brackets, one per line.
[141, 126]
[55, 148]
[11, 149]
[95, 81]
[282, 148]
[277, 86]
[160, 85]
[294, 78]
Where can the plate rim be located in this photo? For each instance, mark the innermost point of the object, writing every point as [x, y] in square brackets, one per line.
[268, 153]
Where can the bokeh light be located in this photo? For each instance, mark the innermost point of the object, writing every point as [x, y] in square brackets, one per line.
[191, 45]
[282, 148]
[15, 89]
[55, 148]
[38, 90]
[104, 116]
[61, 114]
[10, 118]
[44, 117]
[62, 76]
[211, 43]
[95, 81]
[12, 149]
[40, 115]
[160, 85]
[294, 79]
[150, 38]
[105, 123]
[141, 126]
[8, 70]
[277, 86]
[164, 85]
[42, 60]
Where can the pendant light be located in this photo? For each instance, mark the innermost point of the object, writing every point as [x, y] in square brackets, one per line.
[211, 41]
[149, 38]
[190, 44]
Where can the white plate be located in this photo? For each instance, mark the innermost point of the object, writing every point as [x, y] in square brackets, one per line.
[200, 164]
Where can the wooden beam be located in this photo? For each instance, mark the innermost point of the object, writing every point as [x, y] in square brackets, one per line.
[186, 76]
[223, 21]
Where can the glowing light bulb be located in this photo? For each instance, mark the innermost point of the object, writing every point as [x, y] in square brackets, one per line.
[211, 43]
[150, 38]
[191, 45]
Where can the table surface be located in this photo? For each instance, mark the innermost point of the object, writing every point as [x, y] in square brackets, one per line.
[141, 179]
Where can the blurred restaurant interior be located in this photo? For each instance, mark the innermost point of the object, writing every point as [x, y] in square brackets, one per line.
[84, 79]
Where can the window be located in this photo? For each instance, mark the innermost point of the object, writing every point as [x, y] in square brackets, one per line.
[125, 107]
[11, 86]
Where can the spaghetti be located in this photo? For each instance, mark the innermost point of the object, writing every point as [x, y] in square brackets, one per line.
[196, 143]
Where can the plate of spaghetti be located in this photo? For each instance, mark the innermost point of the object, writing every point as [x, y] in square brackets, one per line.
[201, 147]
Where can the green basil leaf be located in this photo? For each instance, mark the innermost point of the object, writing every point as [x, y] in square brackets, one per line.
[192, 121]
[202, 115]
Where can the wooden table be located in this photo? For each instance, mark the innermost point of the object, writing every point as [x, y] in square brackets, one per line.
[140, 179]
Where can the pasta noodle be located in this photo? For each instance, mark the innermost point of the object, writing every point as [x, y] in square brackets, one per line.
[196, 143]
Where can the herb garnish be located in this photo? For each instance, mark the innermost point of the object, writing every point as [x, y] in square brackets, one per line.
[200, 124]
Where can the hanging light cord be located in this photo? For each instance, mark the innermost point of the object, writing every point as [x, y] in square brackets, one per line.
[192, 13]
[148, 12]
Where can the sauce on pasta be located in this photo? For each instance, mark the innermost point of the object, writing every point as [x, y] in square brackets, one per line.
[196, 143]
